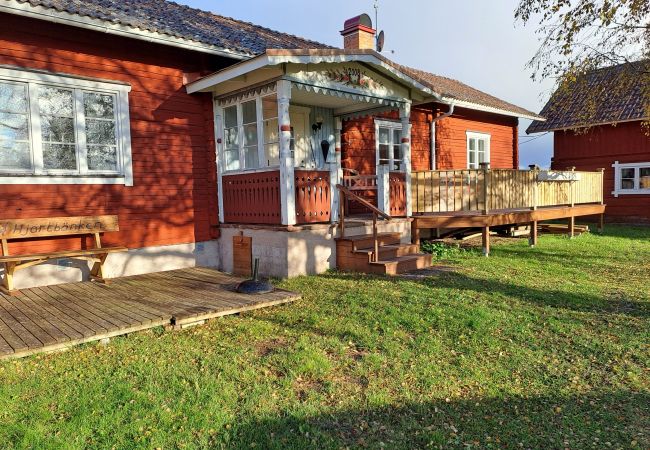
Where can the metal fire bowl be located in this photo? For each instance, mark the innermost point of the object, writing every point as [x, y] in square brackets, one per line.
[255, 287]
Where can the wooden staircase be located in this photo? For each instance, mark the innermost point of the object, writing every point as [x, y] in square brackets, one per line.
[380, 253]
[355, 254]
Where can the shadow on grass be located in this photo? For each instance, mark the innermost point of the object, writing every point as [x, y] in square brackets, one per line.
[598, 420]
[555, 298]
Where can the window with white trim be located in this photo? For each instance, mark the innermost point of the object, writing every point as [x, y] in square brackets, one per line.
[631, 178]
[388, 139]
[478, 149]
[60, 129]
[251, 134]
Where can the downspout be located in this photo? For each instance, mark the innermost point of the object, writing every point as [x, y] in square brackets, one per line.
[433, 133]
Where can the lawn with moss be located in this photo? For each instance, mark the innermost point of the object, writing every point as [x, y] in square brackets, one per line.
[530, 348]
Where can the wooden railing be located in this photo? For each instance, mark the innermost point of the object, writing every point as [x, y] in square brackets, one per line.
[397, 193]
[501, 189]
[345, 193]
[313, 196]
[252, 197]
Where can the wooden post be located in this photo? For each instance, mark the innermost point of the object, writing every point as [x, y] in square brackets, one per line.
[375, 253]
[572, 188]
[601, 223]
[486, 240]
[486, 188]
[405, 117]
[532, 240]
[535, 170]
[572, 224]
[342, 214]
[220, 160]
[287, 188]
[415, 232]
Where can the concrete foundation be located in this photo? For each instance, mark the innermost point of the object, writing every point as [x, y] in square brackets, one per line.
[307, 250]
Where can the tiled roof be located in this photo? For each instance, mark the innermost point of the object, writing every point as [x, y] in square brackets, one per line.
[166, 17]
[453, 89]
[180, 21]
[608, 95]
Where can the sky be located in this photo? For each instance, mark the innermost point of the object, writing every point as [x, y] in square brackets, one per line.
[474, 41]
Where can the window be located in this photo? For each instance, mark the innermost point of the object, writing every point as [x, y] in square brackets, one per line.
[244, 126]
[478, 149]
[388, 142]
[60, 129]
[631, 178]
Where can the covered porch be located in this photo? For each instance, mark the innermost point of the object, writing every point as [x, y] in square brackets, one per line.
[278, 123]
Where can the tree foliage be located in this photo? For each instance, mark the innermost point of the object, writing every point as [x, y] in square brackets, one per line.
[579, 36]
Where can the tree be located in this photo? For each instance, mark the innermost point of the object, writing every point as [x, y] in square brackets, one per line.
[579, 36]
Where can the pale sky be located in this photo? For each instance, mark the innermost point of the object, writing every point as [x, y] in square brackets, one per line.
[474, 41]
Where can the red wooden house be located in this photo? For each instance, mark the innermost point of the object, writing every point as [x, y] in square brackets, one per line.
[194, 129]
[599, 123]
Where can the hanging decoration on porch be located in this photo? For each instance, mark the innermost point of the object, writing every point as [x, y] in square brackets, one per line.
[350, 76]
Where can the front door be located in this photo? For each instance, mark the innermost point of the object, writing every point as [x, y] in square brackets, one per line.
[301, 149]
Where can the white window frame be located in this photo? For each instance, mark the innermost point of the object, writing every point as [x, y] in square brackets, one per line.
[482, 136]
[637, 166]
[240, 127]
[392, 126]
[33, 79]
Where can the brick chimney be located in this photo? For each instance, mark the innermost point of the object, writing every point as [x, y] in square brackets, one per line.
[358, 33]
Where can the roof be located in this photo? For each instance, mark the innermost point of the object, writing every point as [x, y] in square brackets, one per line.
[442, 88]
[608, 95]
[180, 21]
[451, 89]
[169, 23]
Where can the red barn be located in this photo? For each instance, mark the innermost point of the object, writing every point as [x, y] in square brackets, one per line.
[600, 122]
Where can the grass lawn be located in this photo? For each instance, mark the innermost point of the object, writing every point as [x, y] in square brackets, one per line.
[530, 348]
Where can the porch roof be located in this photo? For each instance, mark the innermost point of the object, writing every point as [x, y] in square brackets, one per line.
[276, 58]
[424, 87]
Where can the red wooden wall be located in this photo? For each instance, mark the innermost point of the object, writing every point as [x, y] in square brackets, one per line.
[173, 199]
[599, 148]
[359, 151]
[451, 138]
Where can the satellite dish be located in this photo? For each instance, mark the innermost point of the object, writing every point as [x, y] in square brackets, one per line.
[380, 41]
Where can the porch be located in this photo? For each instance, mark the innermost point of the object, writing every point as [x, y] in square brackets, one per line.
[51, 318]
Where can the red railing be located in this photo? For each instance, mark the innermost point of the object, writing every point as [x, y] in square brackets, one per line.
[397, 193]
[313, 196]
[252, 198]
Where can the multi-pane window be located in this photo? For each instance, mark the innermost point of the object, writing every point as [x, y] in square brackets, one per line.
[251, 136]
[478, 149]
[15, 154]
[61, 126]
[389, 148]
[231, 138]
[632, 178]
[271, 130]
[249, 124]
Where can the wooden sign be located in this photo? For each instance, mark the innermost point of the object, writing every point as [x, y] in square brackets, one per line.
[56, 226]
[242, 255]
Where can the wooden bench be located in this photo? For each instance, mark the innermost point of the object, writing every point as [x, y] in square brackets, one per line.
[27, 229]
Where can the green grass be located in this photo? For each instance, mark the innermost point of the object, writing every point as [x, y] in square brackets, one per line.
[530, 348]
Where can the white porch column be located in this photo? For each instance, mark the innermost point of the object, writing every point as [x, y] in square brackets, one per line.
[336, 173]
[287, 189]
[218, 140]
[383, 188]
[405, 117]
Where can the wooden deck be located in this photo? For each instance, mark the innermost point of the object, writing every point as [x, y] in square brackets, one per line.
[55, 317]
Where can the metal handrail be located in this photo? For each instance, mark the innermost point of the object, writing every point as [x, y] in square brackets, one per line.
[345, 192]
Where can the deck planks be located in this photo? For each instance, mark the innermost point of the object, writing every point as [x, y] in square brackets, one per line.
[54, 317]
